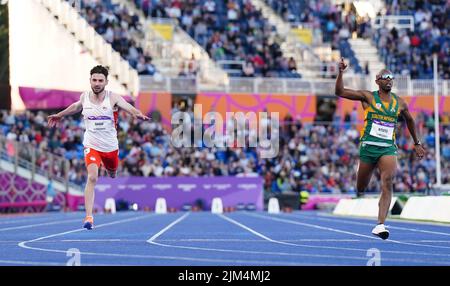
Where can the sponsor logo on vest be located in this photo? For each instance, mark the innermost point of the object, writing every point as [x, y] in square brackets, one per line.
[101, 117]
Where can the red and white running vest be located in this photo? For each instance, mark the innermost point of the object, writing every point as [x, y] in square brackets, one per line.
[100, 123]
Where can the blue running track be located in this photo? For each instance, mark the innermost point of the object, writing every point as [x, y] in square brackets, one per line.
[231, 239]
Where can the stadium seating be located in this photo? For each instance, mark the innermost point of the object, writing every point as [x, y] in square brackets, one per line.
[118, 27]
[313, 157]
[410, 52]
[229, 31]
[403, 51]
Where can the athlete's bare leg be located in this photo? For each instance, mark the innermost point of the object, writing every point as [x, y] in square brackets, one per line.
[92, 170]
[387, 166]
[365, 171]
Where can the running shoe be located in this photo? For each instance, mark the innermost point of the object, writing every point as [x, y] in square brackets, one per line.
[88, 222]
[380, 231]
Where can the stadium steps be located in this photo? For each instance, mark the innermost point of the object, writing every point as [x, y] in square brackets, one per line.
[100, 50]
[169, 54]
[308, 62]
[366, 52]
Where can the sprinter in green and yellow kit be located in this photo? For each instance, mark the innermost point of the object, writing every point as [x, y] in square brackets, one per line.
[377, 145]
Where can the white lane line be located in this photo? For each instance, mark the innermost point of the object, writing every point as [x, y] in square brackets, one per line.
[23, 243]
[98, 240]
[167, 228]
[34, 218]
[214, 240]
[18, 262]
[153, 238]
[343, 231]
[309, 246]
[254, 231]
[41, 263]
[372, 224]
[210, 260]
[393, 219]
[177, 258]
[289, 254]
[279, 242]
[312, 225]
[254, 240]
[38, 224]
[41, 224]
[430, 240]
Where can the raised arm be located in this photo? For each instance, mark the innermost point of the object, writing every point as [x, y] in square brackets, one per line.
[420, 151]
[54, 119]
[120, 102]
[340, 91]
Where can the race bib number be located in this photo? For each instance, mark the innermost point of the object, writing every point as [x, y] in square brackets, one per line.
[99, 123]
[383, 130]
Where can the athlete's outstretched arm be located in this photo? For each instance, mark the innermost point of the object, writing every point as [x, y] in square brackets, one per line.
[52, 120]
[128, 107]
[418, 148]
[359, 95]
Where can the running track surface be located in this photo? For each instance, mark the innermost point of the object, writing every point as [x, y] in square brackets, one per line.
[231, 239]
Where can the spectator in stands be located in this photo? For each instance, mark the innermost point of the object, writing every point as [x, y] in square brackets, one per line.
[248, 70]
[234, 30]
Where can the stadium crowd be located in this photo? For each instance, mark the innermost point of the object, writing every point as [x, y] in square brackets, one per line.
[318, 158]
[120, 28]
[235, 30]
[404, 51]
[409, 52]
[228, 30]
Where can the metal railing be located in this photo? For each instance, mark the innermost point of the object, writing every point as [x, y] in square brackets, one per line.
[95, 43]
[403, 86]
[390, 21]
[37, 162]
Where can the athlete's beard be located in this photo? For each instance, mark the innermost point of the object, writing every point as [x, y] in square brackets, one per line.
[97, 93]
[387, 88]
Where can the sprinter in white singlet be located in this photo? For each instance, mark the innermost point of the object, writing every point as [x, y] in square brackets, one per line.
[101, 147]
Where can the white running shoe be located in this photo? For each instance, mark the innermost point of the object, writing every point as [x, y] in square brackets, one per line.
[380, 231]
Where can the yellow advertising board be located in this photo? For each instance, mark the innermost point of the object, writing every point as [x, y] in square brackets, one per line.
[303, 35]
[165, 30]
